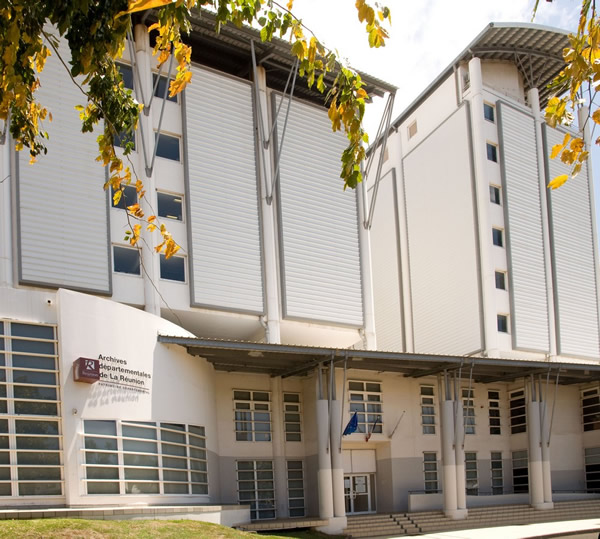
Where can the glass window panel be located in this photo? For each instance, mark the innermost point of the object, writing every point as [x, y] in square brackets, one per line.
[126, 260]
[108, 428]
[32, 377]
[139, 446]
[36, 427]
[162, 89]
[33, 347]
[197, 442]
[34, 362]
[199, 489]
[176, 488]
[260, 396]
[141, 488]
[356, 386]
[39, 442]
[107, 444]
[167, 146]
[92, 472]
[242, 395]
[129, 195]
[169, 449]
[38, 458]
[196, 430]
[171, 475]
[243, 436]
[4, 457]
[139, 432]
[40, 489]
[143, 474]
[264, 465]
[198, 465]
[172, 462]
[245, 465]
[103, 488]
[31, 330]
[5, 474]
[173, 268]
[35, 393]
[291, 397]
[38, 473]
[165, 435]
[140, 460]
[198, 477]
[170, 206]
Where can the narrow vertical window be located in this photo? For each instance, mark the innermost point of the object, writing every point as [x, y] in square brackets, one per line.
[366, 400]
[492, 152]
[518, 417]
[497, 473]
[256, 487]
[495, 195]
[590, 409]
[469, 410]
[498, 237]
[252, 416]
[500, 280]
[520, 471]
[428, 409]
[430, 472]
[494, 412]
[489, 112]
[295, 483]
[471, 477]
[592, 469]
[167, 146]
[292, 417]
[503, 323]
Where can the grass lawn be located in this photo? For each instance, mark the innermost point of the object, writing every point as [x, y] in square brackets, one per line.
[71, 528]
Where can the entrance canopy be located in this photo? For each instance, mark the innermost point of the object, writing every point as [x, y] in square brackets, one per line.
[288, 360]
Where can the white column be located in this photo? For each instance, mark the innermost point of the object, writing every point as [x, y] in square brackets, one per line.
[448, 459]
[150, 260]
[536, 480]
[6, 276]
[370, 340]
[337, 466]
[268, 223]
[534, 102]
[459, 455]
[278, 442]
[324, 459]
[488, 285]
[546, 464]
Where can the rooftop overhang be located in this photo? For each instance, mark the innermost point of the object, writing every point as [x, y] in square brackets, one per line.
[287, 360]
[536, 50]
[230, 51]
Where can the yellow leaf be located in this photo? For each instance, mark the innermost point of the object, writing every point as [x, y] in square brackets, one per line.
[596, 116]
[556, 149]
[117, 197]
[141, 5]
[558, 181]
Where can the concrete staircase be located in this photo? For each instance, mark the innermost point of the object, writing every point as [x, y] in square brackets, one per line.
[393, 525]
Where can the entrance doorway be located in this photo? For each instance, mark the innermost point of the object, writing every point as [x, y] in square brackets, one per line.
[358, 493]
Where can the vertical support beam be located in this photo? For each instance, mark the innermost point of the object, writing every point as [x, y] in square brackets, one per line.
[337, 466]
[268, 221]
[536, 480]
[150, 261]
[459, 455]
[6, 181]
[325, 486]
[534, 102]
[490, 333]
[278, 441]
[545, 441]
[448, 459]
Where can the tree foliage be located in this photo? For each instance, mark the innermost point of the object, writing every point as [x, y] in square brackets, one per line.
[576, 86]
[96, 31]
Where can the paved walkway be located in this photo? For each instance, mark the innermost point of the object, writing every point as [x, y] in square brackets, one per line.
[542, 530]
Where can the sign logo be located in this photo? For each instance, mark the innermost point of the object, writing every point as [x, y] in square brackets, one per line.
[86, 370]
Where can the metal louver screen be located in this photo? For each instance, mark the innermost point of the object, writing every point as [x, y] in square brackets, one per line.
[62, 207]
[523, 222]
[224, 232]
[318, 221]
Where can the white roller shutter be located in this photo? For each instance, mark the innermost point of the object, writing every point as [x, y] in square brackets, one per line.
[224, 233]
[524, 237]
[62, 207]
[318, 222]
[575, 285]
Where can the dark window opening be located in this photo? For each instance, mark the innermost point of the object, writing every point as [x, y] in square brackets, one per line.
[170, 206]
[126, 260]
[172, 268]
[128, 198]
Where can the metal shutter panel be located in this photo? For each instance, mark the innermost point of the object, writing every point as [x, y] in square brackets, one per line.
[62, 207]
[575, 285]
[523, 222]
[318, 221]
[224, 232]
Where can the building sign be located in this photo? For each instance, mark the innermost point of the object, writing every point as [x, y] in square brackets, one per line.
[86, 370]
[116, 372]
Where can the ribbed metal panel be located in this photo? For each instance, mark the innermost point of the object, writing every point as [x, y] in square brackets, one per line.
[62, 207]
[523, 222]
[318, 222]
[442, 241]
[575, 286]
[385, 267]
[224, 230]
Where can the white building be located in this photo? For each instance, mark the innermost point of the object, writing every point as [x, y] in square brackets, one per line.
[228, 373]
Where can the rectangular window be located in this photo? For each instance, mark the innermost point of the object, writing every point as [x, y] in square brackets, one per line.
[590, 409]
[128, 197]
[412, 129]
[295, 484]
[126, 260]
[136, 457]
[252, 416]
[592, 469]
[494, 412]
[124, 140]
[469, 410]
[496, 471]
[492, 152]
[500, 280]
[291, 416]
[161, 87]
[428, 409]
[365, 399]
[502, 323]
[430, 472]
[173, 268]
[498, 237]
[520, 471]
[167, 146]
[256, 487]
[126, 74]
[472, 481]
[495, 195]
[29, 411]
[170, 206]
[488, 112]
[518, 416]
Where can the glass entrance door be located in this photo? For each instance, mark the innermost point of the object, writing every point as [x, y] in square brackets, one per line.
[357, 493]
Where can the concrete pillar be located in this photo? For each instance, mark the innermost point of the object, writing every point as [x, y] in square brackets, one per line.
[150, 261]
[484, 224]
[6, 181]
[534, 103]
[536, 480]
[448, 459]
[337, 466]
[546, 465]
[267, 222]
[278, 443]
[324, 476]
[459, 455]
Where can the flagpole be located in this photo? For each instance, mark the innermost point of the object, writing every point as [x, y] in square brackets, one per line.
[343, 400]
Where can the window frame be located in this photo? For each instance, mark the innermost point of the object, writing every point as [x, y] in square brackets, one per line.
[471, 473]
[496, 480]
[520, 456]
[165, 261]
[517, 411]
[156, 87]
[157, 137]
[489, 107]
[116, 246]
[288, 410]
[491, 151]
[368, 408]
[495, 194]
[430, 466]
[468, 403]
[590, 411]
[427, 400]
[292, 489]
[255, 407]
[160, 193]
[498, 236]
[494, 421]
[123, 202]
[503, 323]
[503, 275]
[257, 471]
[591, 460]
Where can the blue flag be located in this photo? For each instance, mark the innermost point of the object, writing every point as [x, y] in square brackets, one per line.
[352, 425]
